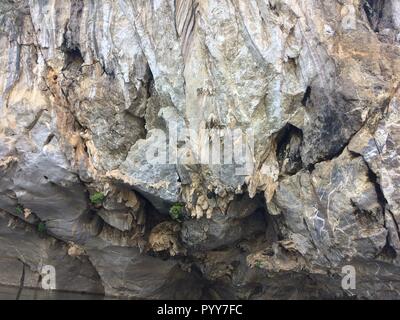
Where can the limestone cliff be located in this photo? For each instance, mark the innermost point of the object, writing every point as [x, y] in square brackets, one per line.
[96, 94]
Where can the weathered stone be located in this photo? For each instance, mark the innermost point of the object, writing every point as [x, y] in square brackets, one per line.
[125, 272]
[23, 245]
[108, 107]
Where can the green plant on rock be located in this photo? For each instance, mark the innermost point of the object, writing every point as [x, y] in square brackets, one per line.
[176, 211]
[19, 209]
[97, 198]
[41, 227]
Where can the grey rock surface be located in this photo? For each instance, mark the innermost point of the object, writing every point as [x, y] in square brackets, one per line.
[107, 112]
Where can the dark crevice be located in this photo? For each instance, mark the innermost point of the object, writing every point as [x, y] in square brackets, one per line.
[211, 195]
[288, 150]
[22, 281]
[388, 242]
[394, 221]
[72, 31]
[73, 60]
[379, 193]
[333, 155]
[153, 216]
[374, 10]
[273, 232]
[363, 217]
[35, 120]
[388, 250]
[306, 96]
[311, 167]
[49, 139]
[150, 82]
[272, 7]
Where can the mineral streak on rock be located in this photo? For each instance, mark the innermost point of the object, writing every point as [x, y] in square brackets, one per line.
[90, 89]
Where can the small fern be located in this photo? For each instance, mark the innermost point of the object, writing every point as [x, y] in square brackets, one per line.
[42, 227]
[176, 211]
[19, 209]
[97, 198]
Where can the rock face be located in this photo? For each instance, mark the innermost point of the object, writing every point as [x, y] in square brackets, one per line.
[201, 148]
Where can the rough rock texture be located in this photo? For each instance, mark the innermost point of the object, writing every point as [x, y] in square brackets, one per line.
[89, 89]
